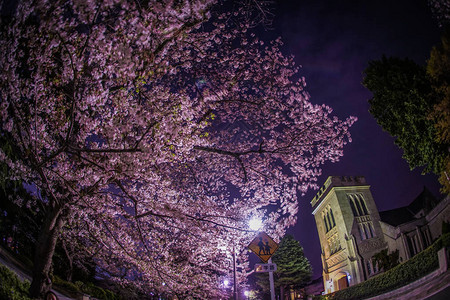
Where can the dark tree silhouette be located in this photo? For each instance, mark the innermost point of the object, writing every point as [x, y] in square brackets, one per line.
[293, 268]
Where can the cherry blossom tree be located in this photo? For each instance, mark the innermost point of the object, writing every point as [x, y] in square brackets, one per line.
[152, 131]
[441, 11]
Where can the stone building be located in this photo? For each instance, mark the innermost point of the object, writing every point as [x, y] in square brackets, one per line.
[351, 230]
[413, 228]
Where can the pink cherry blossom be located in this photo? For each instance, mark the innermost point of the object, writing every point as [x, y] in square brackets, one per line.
[155, 132]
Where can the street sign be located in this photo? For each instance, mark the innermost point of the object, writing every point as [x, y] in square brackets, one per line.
[263, 246]
[260, 268]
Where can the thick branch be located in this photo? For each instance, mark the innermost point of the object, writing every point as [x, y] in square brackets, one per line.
[218, 224]
[192, 218]
[236, 155]
[111, 150]
[145, 133]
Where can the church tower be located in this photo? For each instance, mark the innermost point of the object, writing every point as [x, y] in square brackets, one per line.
[349, 229]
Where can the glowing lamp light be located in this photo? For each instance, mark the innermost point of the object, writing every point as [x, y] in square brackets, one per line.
[226, 282]
[246, 293]
[255, 224]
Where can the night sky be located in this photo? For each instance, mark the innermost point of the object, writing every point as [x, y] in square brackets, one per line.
[333, 42]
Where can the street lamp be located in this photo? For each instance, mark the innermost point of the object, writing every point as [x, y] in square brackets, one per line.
[246, 293]
[255, 224]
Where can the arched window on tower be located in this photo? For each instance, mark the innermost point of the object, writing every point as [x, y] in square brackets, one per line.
[358, 206]
[330, 225]
[332, 218]
[326, 223]
[363, 204]
[352, 205]
[328, 219]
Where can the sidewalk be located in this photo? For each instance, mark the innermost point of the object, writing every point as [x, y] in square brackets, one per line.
[7, 260]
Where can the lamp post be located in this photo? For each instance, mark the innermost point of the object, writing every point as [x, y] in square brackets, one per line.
[235, 292]
[255, 224]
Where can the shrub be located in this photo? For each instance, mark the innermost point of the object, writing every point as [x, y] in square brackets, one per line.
[67, 286]
[111, 296]
[11, 287]
[94, 291]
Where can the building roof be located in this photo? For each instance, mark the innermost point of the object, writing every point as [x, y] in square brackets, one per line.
[424, 201]
[396, 216]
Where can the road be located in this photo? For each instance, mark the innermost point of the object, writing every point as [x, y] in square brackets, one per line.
[441, 295]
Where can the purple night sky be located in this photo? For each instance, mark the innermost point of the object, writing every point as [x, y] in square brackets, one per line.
[333, 41]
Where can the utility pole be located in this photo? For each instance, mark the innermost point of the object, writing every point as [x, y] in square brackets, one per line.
[272, 286]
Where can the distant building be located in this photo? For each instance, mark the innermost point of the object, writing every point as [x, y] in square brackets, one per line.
[351, 230]
[413, 228]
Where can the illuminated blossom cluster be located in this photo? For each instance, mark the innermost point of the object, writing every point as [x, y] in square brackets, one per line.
[156, 130]
[440, 10]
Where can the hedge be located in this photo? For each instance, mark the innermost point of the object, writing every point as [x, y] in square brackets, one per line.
[11, 287]
[423, 263]
[77, 288]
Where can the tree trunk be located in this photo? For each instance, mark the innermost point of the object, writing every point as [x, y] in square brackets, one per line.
[45, 247]
[69, 272]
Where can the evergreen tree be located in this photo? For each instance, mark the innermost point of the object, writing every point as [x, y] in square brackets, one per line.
[293, 268]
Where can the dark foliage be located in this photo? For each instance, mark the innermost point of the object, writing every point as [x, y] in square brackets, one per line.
[385, 260]
[403, 98]
[293, 268]
[11, 287]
